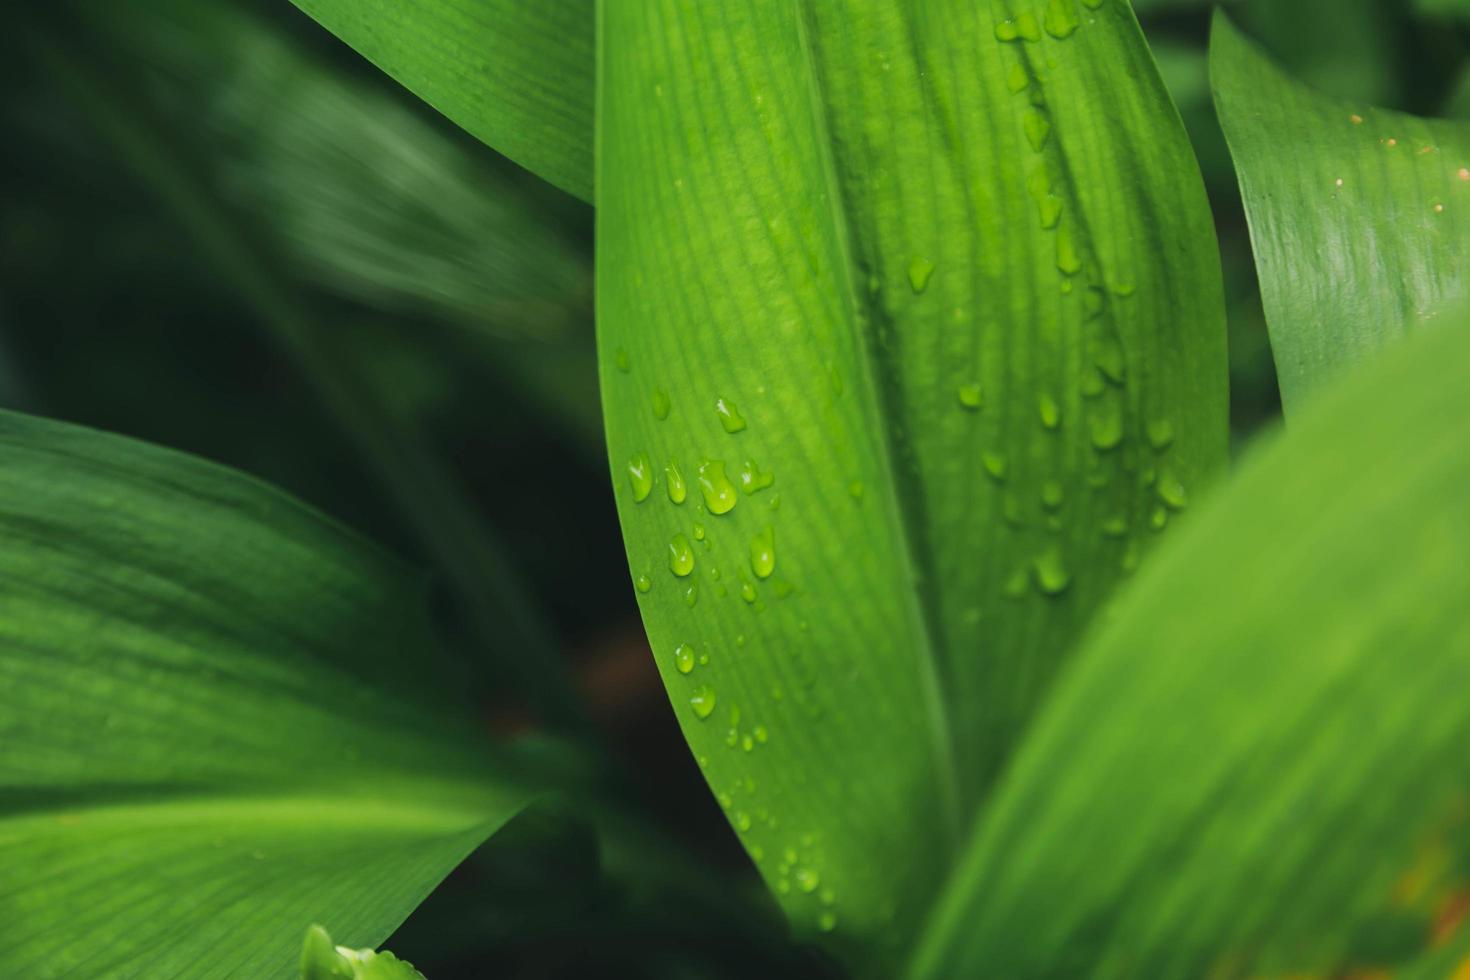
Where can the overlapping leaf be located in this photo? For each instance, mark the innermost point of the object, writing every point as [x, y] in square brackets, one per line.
[214, 729]
[1257, 767]
[1360, 217]
[516, 75]
[897, 390]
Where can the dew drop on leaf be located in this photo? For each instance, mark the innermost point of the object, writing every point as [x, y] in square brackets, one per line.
[1052, 576]
[643, 583]
[730, 417]
[763, 553]
[1049, 411]
[1160, 434]
[1037, 127]
[684, 658]
[702, 700]
[640, 477]
[674, 483]
[715, 486]
[681, 556]
[921, 270]
[752, 479]
[661, 404]
[1172, 492]
[971, 397]
[1061, 19]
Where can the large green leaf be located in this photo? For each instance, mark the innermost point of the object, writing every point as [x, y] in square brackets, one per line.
[897, 389]
[1360, 217]
[212, 731]
[515, 74]
[1257, 767]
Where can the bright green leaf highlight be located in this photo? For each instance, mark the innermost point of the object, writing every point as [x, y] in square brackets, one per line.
[515, 74]
[836, 216]
[1257, 767]
[213, 732]
[1360, 218]
[322, 960]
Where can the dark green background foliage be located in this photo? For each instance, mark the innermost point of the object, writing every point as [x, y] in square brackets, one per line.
[225, 232]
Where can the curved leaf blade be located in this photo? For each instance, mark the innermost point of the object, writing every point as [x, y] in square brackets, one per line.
[1257, 766]
[1360, 217]
[209, 733]
[515, 75]
[896, 275]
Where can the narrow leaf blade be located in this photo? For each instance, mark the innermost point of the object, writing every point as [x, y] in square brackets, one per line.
[897, 391]
[1257, 766]
[516, 75]
[209, 729]
[1360, 217]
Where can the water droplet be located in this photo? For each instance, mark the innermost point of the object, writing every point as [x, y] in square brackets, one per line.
[747, 592]
[995, 465]
[699, 536]
[763, 553]
[752, 479]
[643, 583]
[1061, 19]
[1022, 28]
[684, 658]
[971, 397]
[1107, 429]
[719, 493]
[691, 594]
[1159, 519]
[1017, 80]
[1110, 361]
[1037, 127]
[1160, 434]
[1171, 491]
[807, 879]
[640, 477]
[1052, 494]
[1052, 576]
[730, 416]
[661, 404]
[920, 271]
[702, 700]
[621, 360]
[1050, 412]
[1068, 261]
[742, 821]
[1115, 527]
[681, 556]
[855, 490]
[761, 735]
[674, 483]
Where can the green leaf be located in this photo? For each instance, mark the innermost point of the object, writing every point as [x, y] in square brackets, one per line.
[364, 197]
[321, 960]
[213, 730]
[899, 279]
[1359, 216]
[1257, 766]
[516, 75]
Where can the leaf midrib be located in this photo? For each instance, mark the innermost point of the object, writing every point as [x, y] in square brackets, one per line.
[899, 501]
